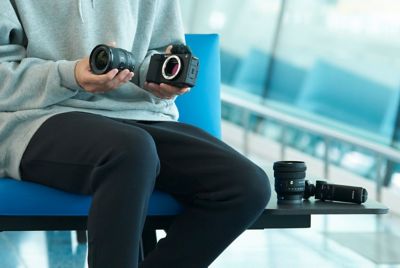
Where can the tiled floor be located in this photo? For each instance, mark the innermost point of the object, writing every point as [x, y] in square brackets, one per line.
[314, 247]
[334, 241]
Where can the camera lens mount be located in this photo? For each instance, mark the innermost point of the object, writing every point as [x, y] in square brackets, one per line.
[171, 67]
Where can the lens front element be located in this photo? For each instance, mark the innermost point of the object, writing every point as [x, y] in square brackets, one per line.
[101, 59]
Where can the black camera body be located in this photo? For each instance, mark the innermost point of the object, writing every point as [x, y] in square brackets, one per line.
[179, 70]
[291, 186]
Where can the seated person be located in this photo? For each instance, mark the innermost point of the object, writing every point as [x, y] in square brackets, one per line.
[113, 135]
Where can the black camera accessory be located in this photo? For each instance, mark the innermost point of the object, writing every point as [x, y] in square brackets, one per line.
[104, 58]
[290, 181]
[335, 192]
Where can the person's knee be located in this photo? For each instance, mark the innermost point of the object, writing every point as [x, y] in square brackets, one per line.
[253, 186]
[134, 145]
[131, 156]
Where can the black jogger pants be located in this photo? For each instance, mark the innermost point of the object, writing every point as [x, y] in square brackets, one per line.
[120, 162]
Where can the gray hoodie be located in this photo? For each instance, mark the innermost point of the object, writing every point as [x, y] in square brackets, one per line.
[40, 42]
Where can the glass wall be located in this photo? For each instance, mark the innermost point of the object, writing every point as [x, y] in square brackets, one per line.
[247, 30]
[348, 51]
[333, 61]
[345, 54]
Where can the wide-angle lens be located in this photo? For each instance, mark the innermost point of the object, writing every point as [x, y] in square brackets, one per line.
[289, 181]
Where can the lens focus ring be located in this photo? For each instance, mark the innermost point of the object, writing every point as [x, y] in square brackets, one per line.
[289, 175]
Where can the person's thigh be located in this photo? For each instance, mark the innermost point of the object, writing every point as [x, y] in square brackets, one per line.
[68, 148]
[194, 162]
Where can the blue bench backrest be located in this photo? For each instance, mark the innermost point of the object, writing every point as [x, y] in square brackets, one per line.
[202, 106]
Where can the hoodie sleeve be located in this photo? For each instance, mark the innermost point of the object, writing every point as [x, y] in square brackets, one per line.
[167, 29]
[29, 83]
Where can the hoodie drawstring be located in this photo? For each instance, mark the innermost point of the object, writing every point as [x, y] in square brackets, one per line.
[80, 10]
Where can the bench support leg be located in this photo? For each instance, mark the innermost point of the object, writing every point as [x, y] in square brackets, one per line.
[149, 240]
[81, 236]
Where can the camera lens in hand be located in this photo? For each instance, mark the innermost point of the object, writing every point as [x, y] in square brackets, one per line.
[290, 181]
[104, 58]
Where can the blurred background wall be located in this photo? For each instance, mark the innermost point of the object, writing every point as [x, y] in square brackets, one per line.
[334, 62]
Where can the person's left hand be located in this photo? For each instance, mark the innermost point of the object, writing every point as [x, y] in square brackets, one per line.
[165, 91]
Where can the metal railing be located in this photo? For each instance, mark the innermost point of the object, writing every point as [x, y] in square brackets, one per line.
[329, 134]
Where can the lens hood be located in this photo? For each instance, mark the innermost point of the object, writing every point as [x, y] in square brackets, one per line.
[290, 166]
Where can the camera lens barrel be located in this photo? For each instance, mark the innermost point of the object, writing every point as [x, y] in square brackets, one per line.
[104, 58]
[289, 181]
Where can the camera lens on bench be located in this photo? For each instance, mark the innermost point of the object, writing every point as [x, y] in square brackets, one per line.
[290, 181]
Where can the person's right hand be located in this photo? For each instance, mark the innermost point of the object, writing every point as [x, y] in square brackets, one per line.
[99, 83]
